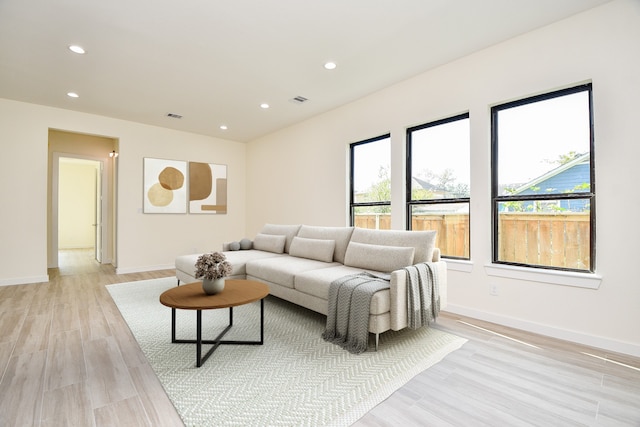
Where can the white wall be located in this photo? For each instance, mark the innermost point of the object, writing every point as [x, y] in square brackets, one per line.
[144, 241]
[300, 174]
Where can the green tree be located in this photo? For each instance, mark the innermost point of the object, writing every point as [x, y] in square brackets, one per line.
[380, 191]
[446, 183]
[419, 193]
[563, 158]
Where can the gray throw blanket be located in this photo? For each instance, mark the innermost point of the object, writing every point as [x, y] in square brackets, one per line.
[423, 294]
[348, 310]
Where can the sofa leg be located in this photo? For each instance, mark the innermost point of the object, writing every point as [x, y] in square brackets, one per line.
[377, 340]
[178, 282]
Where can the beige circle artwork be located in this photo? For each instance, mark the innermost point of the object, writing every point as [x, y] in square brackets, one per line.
[161, 193]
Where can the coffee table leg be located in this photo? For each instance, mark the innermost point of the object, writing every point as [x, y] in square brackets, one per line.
[200, 359]
[198, 338]
[173, 325]
[262, 321]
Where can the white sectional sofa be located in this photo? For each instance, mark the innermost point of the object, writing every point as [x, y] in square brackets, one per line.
[299, 262]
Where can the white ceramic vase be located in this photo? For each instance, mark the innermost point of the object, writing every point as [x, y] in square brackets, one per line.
[212, 286]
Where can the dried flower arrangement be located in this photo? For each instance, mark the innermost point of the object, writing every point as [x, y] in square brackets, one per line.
[213, 266]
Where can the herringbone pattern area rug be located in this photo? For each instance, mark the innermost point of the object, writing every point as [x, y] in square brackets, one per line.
[294, 379]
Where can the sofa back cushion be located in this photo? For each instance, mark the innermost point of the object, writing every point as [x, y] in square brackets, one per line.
[340, 235]
[422, 241]
[378, 257]
[289, 231]
[318, 249]
[269, 243]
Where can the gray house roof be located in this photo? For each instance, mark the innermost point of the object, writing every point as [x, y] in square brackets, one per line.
[427, 185]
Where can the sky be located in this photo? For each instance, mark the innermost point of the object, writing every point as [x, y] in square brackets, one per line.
[435, 149]
[531, 138]
[369, 158]
[534, 134]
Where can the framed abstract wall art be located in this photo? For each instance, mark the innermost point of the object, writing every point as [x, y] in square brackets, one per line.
[207, 188]
[165, 186]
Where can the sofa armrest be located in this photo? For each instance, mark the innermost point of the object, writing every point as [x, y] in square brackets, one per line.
[398, 295]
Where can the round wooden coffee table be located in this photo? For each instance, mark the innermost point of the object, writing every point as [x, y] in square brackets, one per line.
[191, 297]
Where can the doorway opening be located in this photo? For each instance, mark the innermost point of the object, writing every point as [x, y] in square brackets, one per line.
[81, 230]
[80, 211]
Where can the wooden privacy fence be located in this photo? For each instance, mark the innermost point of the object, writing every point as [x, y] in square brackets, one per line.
[453, 232]
[452, 229]
[551, 239]
[373, 221]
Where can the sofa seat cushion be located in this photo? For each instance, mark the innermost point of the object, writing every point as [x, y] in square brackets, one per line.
[187, 263]
[317, 283]
[283, 269]
[237, 259]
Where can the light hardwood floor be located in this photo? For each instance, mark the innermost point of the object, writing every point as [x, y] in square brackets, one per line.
[67, 358]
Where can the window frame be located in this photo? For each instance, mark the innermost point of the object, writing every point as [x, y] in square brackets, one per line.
[352, 203]
[408, 193]
[496, 199]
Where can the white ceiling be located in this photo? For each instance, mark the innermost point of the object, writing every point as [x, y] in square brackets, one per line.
[214, 62]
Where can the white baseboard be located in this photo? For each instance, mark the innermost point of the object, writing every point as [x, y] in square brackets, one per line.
[24, 280]
[550, 331]
[128, 270]
[104, 261]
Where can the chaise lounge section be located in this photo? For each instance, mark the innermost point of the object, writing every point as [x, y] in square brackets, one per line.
[299, 262]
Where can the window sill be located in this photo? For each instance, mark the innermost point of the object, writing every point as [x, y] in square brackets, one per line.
[458, 265]
[564, 278]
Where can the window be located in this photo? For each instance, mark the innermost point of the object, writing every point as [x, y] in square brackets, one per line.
[543, 181]
[438, 182]
[371, 183]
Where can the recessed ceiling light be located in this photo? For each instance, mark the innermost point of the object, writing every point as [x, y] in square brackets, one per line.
[72, 95]
[77, 49]
[223, 127]
[330, 65]
[264, 105]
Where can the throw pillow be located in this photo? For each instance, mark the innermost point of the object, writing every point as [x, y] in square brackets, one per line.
[341, 235]
[245, 244]
[422, 241]
[318, 249]
[234, 246]
[282, 230]
[269, 243]
[378, 257]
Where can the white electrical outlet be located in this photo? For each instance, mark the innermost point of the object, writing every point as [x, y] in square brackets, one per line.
[494, 290]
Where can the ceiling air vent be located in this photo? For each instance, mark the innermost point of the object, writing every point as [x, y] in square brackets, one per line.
[299, 100]
[174, 115]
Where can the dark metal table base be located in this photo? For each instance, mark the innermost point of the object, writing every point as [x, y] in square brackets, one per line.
[218, 340]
